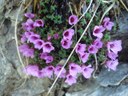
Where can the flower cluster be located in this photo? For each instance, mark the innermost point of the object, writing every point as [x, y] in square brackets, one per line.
[33, 43]
[113, 48]
[70, 77]
[29, 38]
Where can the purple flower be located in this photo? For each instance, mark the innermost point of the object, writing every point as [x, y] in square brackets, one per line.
[80, 48]
[28, 34]
[49, 71]
[98, 43]
[33, 38]
[57, 70]
[112, 64]
[38, 44]
[67, 34]
[73, 19]
[98, 31]
[84, 56]
[92, 49]
[107, 23]
[49, 37]
[70, 79]
[31, 70]
[48, 47]
[56, 36]
[29, 15]
[49, 59]
[114, 46]
[23, 48]
[87, 71]
[74, 69]
[23, 38]
[112, 55]
[42, 73]
[44, 55]
[66, 44]
[29, 25]
[28, 53]
[39, 23]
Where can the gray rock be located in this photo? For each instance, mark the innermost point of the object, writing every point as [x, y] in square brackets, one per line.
[106, 77]
[121, 90]
[99, 87]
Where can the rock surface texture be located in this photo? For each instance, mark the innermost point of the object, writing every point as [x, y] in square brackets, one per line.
[14, 83]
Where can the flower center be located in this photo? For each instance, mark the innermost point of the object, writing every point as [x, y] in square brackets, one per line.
[111, 45]
[96, 31]
[50, 68]
[72, 19]
[66, 33]
[39, 22]
[72, 68]
[34, 38]
[47, 45]
[69, 76]
[65, 42]
[40, 43]
[91, 49]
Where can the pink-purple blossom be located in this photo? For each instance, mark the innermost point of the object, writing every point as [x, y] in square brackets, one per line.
[38, 44]
[57, 70]
[23, 38]
[33, 38]
[49, 59]
[80, 48]
[114, 46]
[74, 69]
[49, 71]
[92, 49]
[48, 47]
[84, 56]
[28, 34]
[32, 70]
[56, 36]
[112, 55]
[70, 80]
[98, 31]
[107, 23]
[39, 23]
[73, 19]
[87, 71]
[29, 15]
[26, 51]
[67, 34]
[28, 25]
[43, 55]
[23, 47]
[112, 64]
[66, 44]
[98, 43]
[49, 37]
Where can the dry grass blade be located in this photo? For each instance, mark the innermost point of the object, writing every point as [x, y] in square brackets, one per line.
[35, 4]
[123, 4]
[107, 10]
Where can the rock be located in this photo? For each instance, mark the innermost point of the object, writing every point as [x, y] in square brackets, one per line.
[108, 83]
[32, 87]
[112, 78]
